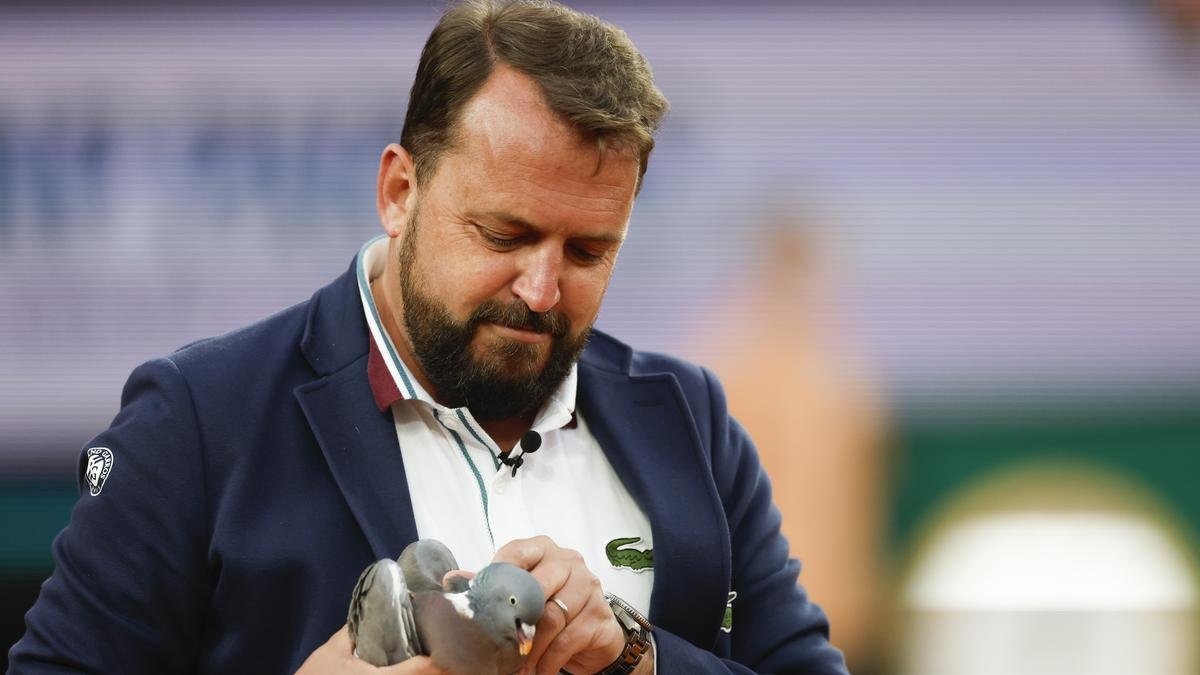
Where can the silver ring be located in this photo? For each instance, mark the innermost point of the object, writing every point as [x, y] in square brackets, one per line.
[561, 605]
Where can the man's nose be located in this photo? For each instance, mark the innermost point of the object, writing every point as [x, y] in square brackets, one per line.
[537, 279]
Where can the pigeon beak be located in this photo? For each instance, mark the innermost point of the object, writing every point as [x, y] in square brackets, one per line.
[524, 638]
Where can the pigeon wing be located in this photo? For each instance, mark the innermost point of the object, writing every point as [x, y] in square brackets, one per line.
[381, 619]
[425, 563]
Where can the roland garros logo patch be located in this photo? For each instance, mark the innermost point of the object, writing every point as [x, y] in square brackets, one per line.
[99, 465]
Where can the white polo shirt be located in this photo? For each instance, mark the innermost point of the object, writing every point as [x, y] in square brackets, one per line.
[463, 496]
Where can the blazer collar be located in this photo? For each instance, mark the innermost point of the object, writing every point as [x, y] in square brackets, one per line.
[335, 334]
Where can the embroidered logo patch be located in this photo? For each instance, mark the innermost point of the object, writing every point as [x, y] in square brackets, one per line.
[727, 622]
[629, 558]
[99, 465]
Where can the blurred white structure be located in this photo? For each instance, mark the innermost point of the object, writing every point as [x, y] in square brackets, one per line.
[1051, 573]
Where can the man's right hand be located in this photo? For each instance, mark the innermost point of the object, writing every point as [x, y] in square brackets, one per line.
[336, 656]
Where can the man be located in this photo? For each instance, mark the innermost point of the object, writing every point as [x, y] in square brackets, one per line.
[251, 477]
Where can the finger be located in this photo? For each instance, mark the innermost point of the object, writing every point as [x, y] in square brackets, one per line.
[557, 604]
[593, 628]
[582, 594]
[456, 573]
[554, 576]
[552, 622]
[336, 655]
[576, 592]
[340, 641]
[549, 564]
[525, 553]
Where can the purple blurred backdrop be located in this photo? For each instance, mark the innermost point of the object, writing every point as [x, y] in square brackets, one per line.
[1013, 190]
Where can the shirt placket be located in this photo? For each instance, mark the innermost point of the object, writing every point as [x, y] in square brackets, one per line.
[509, 515]
[478, 460]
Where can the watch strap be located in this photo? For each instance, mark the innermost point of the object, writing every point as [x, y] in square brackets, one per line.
[637, 636]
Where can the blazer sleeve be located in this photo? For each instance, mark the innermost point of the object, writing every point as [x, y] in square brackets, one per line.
[128, 588]
[776, 629]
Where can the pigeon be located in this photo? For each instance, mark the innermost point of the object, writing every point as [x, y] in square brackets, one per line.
[402, 608]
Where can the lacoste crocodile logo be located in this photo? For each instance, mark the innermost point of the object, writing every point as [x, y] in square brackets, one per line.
[629, 558]
[727, 621]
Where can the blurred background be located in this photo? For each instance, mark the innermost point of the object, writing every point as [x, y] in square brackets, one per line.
[945, 257]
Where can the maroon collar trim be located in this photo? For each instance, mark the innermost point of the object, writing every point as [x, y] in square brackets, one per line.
[383, 385]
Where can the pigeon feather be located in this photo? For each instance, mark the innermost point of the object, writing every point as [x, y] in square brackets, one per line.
[381, 619]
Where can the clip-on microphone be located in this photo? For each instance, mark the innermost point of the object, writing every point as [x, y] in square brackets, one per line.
[530, 443]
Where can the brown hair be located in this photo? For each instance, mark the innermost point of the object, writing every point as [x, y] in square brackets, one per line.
[588, 70]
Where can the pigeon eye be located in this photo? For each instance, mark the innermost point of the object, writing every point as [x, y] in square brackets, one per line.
[512, 599]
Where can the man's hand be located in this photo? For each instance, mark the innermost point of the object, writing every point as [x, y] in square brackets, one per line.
[337, 656]
[586, 637]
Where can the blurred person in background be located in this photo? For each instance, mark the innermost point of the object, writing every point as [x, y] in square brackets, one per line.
[1184, 16]
[1183, 19]
[795, 380]
[249, 478]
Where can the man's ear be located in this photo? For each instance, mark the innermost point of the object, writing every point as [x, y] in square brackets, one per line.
[396, 189]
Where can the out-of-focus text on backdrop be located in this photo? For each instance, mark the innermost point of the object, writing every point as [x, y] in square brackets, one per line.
[926, 243]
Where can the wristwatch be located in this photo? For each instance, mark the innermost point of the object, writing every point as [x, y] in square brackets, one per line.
[637, 636]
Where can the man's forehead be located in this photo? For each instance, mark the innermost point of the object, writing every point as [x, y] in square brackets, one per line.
[513, 156]
[509, 120]
[510, 112]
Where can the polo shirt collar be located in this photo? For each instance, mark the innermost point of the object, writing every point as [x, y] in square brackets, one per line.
[392, 381]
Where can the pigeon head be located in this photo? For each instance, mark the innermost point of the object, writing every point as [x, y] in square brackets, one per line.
[508, 602]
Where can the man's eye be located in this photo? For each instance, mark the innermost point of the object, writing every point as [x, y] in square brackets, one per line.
[498, 240]
[585, 256]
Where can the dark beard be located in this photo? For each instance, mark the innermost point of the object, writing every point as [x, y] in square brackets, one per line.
[505, 382]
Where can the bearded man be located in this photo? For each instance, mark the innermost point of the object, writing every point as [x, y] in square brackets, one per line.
[449, 385]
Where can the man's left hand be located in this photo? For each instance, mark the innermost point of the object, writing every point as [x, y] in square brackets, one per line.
[586, 637]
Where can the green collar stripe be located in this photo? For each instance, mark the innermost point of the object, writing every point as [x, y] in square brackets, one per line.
[478, 481]
[471, 428]
[364, 287]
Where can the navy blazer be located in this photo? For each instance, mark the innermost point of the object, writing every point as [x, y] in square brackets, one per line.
[253, 478]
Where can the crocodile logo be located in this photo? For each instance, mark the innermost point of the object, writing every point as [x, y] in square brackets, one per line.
[629, 558]
[727, 621]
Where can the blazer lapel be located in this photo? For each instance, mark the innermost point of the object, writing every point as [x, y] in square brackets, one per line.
[649, 438]
[358, 441]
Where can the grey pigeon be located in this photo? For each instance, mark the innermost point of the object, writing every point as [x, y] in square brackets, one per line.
[484, 625]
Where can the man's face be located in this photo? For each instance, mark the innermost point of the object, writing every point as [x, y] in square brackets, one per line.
[506, 252]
